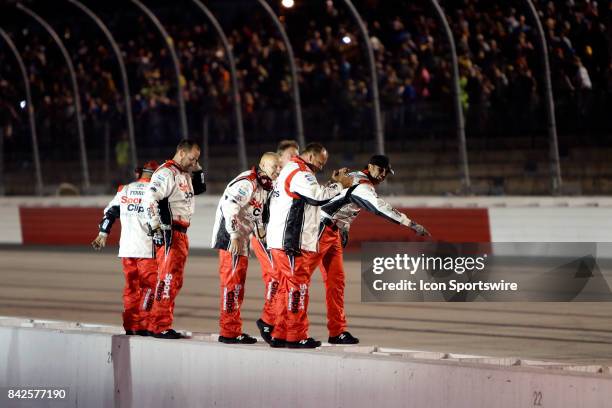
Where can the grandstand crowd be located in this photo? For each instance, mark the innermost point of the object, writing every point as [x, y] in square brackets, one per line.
[499, 60]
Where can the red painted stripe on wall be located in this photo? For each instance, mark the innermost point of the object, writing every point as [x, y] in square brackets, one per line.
[63, 225]
[444, 224]
[79, 226]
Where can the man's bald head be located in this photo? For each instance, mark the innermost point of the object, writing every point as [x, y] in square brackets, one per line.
[269, 164]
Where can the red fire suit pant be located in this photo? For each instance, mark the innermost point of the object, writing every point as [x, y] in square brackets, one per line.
[170, 269]
[140, 279]
[332, 269]
[270, 279]
[232, 274]
[292, 299]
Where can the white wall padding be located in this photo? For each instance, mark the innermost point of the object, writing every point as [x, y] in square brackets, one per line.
[551, 224]
[11, 224]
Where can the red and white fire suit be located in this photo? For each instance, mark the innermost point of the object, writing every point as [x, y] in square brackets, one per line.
[136, 251]
[169, 204]
[264, 256]
[239, 213]
[270, 279]
[336, 219]
[292, 236]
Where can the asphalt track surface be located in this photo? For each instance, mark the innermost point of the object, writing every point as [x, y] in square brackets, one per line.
[81, 285]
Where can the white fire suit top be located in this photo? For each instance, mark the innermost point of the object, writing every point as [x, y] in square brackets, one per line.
[344, 208]
[294, 208]
[239, 211]
[127, 205]
[170, 196]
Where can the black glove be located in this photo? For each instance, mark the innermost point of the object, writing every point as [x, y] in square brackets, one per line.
[419, 229]
[265, 214]
[157, 235]
[197, 180]
[344, 238]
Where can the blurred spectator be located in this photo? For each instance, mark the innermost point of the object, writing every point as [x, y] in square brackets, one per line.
[500, 71]
[122, 155]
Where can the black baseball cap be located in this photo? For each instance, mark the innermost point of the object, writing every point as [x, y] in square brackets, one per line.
[382, 161]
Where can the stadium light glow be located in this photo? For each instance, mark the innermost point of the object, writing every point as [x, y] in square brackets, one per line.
[346, 39]
[22, 104]
[287, 3]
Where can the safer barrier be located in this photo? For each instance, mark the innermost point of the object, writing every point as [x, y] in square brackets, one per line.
[74, 220]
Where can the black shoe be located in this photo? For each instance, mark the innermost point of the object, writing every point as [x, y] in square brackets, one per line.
[143, 333]
[343, 338]
[278, 343]
[130, 332]
[242, 339]
[168, 334]
[265, 330]
[308, 343]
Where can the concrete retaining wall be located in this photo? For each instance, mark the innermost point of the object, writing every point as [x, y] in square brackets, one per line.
[42, 358]
[105, 370]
